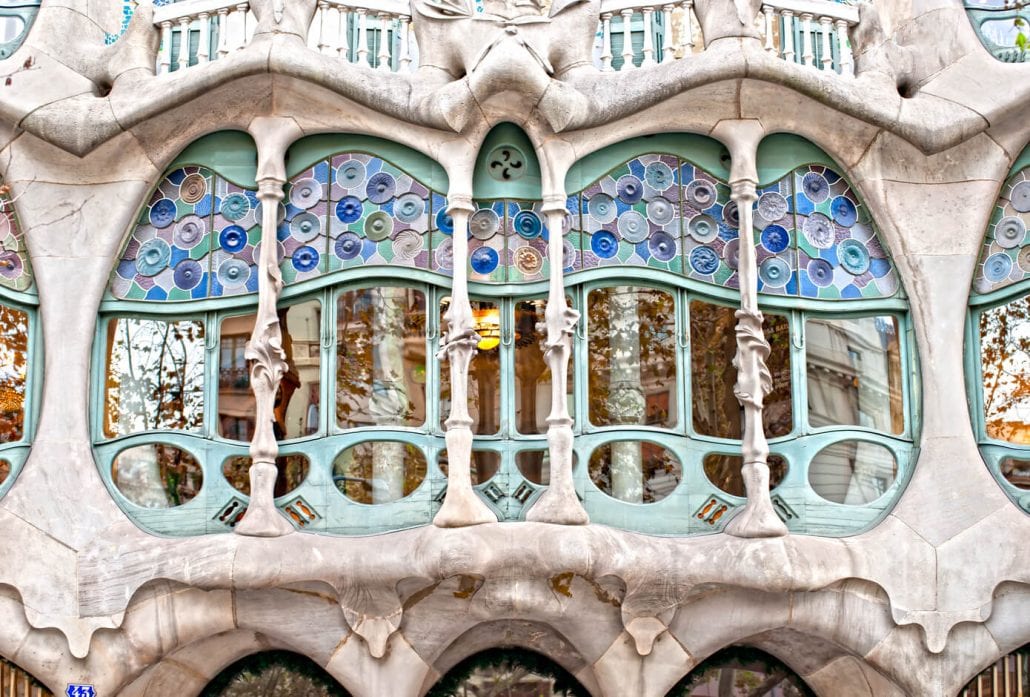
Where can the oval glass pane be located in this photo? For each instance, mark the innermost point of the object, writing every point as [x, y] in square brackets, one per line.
[632, 356]
[1015, 471]
[379, 471]
[1005, 363]
[5, 470]
[14, 356]
[381, 357]
[155, 376]
[535, 465]
[723, 471]
[854, 373]
[484, 465]
[635, 471]
[157, 475]
[852, 472]
[293, 470]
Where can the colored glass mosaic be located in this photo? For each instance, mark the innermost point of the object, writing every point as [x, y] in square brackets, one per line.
[15, 270]
[814, 238]
[1005, 256]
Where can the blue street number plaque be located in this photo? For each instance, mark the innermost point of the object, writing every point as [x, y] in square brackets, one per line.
[75, 690]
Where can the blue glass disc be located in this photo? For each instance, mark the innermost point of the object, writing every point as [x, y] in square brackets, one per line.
[484, 260]
[820, 272]
[235, 206]
[997, 267]
[232, 238]
[704, 260]
[527, 224]
[233, 273]
[349, 209]
[658, 175]
[153, 257]
[775, 238]
[188, 274]
[630, 188]
[815, 187]
[853, 256]
[305, 258]
[348, 246]
[662, 246]
[774, 272]
[162, 213]
[604, 244]
[380, 187]
[844, 212]
[444, 222]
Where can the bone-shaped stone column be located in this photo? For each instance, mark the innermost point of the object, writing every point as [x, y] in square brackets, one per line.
[461, 506]
[559, 503]
[265, 348]
[754, 382]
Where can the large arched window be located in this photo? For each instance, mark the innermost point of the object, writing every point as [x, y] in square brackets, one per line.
[1009, 676]
[15, 681]
[999, 338]
[507, 672]
[17, 346]
[366, 256]
[741, 671]
[274, 674]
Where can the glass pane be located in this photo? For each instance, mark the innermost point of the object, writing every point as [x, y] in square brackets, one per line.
[155, 376]
[724, 472]
[14, 356]
[777, 416]
[535, 465]
[236, 404]
[854, 373]
[484, 465]
[157, 475]
[741, 672]
[1005, 358]
[532, 375]
[5, 470]
[484, 403]
[1015, 471]
[713, 344]
[379, 471]
[632, 356]
[381, 357]
[852, 472]
[635, 471]
[297, 406]
[508, 672]
[293, 470]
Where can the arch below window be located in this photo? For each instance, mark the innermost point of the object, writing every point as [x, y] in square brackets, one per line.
[15, 681]
[1009, 676]
[274, 674]
[518, 671]
[741, 671]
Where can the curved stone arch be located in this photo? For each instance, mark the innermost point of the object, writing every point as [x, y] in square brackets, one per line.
[17, 678]
[742, 657]
[532, 636]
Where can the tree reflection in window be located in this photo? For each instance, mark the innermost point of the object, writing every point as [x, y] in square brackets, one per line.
[741, 672]
[274, 674]
[157, 475]
[509, 672]
[379, 471]
[632, 357]
[1005, 362]
[635, 471]
[14, 352]
[155, 376]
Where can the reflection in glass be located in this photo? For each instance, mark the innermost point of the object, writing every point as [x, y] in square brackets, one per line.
[14, 355]
[5, 470]
[379, 471]
[635, 471]
[724, 472]
[155, 376]
[535, 465]
[297, 404]
[484, 464]
[741, 672]
[381, 357]
[632, 357]
[157, 475]
[1005, 359]
[532, 374]
[293, 470]
[1016, 472]
[508, 672]
[713, 345]
[852, 472]
[235, 398]
[274, 674]
[484, 398]
[854, 373]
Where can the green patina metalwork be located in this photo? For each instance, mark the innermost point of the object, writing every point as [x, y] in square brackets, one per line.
[20, 11]
[990, 20]
[508, 492]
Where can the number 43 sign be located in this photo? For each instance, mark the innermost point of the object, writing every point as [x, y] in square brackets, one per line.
[75, 690]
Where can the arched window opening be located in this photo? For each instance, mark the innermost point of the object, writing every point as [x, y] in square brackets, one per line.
[1009, 676]
[19, 683]
[741, 672]
[274, 674]
[998, 355]
[508, 672]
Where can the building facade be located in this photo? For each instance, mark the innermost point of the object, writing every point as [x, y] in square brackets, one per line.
[396, 440]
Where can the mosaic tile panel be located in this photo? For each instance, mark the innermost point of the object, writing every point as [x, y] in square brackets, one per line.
[304, 233]
[377, 213]
[441, 228]
[234, 243]
[169, 255]
[775, 244]
[15, 270]
[839, 255]
[710, 228]
[489, 228]
[1005, 256]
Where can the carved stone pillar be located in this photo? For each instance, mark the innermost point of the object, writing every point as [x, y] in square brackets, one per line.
[389, 403]
[461, 506]
[267, 367]
[559, 503]
[754, 382]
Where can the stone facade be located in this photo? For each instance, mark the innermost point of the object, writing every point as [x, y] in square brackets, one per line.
[927, 130]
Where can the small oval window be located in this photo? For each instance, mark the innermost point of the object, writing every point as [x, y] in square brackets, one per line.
[379, 471]
[852, 472]
[5, 470]
[1016, 472]
[635, 471]
[483, 467]
[723, 471]
[293, 470]
[157, 475]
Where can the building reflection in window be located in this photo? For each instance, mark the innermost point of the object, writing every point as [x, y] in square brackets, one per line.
[293, 470]
[14, 354]
[852, 472]
[854, 373]
[155, 376]
[235, 398]
[157, 475]
[484, 395]
[381, 357]
[632, 357]
[1005, 362]
[379, 471]
[635, 471]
